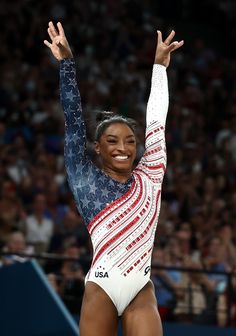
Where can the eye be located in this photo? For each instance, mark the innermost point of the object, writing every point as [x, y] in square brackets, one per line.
[111, 141]
[131, 141]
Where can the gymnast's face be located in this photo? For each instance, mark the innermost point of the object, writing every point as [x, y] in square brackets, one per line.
[117, 150]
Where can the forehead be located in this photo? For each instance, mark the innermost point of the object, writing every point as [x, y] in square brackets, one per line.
[118, 129]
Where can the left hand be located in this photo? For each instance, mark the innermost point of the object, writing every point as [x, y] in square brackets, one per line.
[164, 49]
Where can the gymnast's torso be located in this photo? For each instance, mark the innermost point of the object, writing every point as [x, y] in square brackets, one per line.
[121, 217]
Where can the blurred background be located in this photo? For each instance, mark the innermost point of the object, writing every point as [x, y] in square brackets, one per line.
[194, 259]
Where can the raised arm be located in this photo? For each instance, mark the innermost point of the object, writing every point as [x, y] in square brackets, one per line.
[158, 101]
[153, 162]
[75, 134]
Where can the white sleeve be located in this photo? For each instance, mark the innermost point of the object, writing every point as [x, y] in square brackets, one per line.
[153, 162]
[158, 101]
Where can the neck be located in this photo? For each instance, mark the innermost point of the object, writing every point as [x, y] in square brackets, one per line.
[118, 176]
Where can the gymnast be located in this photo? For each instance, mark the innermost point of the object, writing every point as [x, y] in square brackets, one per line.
[119, 204]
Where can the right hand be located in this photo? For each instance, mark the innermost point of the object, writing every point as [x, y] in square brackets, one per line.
[165, 48]
[59, 45]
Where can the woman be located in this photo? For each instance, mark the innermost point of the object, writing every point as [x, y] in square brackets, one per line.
[119, 205]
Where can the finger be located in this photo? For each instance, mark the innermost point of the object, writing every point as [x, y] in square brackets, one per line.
[159, 37]
[50, 34]
[60, 29]
[52, 29]
[175, 45]
[169, 37]
[179, 44]
[48, 44]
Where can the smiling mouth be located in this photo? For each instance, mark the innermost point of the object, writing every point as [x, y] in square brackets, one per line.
[121, 157]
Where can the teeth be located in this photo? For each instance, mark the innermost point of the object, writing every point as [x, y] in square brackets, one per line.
[119, 157]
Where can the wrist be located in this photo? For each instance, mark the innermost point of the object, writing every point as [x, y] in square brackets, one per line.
[68, 56]
[159, 65]
[159, 62]
[162, 60]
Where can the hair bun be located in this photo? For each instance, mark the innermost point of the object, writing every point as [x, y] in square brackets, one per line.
[104, 115]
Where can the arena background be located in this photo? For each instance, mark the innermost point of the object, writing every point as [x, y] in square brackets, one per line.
[114, 44]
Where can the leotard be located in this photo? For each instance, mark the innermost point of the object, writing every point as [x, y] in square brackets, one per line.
[121, 217]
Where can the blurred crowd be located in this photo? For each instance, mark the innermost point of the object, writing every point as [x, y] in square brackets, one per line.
[114, 43]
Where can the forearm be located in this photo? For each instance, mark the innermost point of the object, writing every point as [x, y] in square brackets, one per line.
[70, 98]
[158, 101]
[159, 97]
[69, 92]
[75, 134]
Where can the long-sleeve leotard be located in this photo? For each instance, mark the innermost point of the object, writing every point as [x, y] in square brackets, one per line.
[121, 217]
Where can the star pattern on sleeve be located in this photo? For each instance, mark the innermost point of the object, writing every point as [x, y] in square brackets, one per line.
[85, 201]
[70, 96]
[92, 189]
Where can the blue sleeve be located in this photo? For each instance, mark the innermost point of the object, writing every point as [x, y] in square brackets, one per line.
[75, 133]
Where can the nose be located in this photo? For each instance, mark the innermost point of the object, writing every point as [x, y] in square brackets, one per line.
[121, 146]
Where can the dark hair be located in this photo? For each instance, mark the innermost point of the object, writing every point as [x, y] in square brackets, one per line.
[107, 118]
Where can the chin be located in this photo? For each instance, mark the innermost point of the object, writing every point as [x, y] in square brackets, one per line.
[123, 169]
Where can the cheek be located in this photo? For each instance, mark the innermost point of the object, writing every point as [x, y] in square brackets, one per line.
[134, 151]
[105, 152]
[100, 148]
